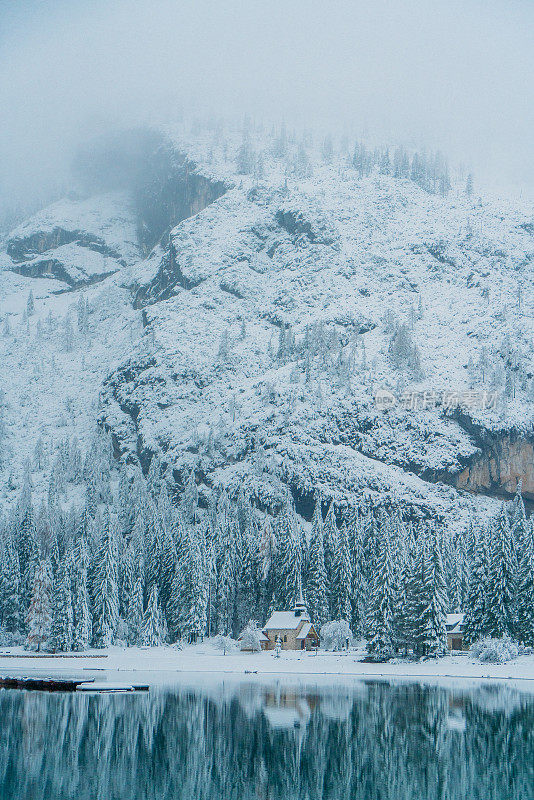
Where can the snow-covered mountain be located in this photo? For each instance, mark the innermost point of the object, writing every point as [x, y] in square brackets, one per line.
[278, 332]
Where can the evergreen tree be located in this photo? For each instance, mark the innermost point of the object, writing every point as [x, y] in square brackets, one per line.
[359, 588]
[39, 618]
[30, 304]
[248, 578]
[289, 558]
[382, 601]
[105, 588]
[475, 620]
[342, 579]
[330, 551]
[403, 612]
[189, 503]
[10, 586]
[525, 604]
[191, 598]
[469, 185]
[81, 602]
[227, 567]
[62, 617]
[168, 567]
[432, 633]
[152, 631]
[26, 542]
[316, 596]
[135, 611]
[501, 579]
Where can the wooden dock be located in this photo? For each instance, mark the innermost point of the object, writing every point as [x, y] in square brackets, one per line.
[53, 655]
[43, 684]
[56, 684]
[111, 687]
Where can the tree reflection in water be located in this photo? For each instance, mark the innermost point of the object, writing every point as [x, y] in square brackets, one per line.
[375, 741]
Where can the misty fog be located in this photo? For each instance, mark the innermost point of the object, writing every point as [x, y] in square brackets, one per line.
[455, 76]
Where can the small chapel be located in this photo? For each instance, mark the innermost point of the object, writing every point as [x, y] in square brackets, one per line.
[293, 628]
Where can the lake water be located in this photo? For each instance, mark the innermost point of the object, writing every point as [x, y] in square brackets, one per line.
[275, 741]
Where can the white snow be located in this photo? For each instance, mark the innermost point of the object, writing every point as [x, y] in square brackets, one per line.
[280, 620]
[376, 244]
[169, 664]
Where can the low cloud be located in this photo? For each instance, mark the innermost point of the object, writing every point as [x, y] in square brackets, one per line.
[452, 75]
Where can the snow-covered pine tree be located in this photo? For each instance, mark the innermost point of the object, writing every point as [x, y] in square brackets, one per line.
[26, 542]
[267, 569]
[469, 185]
[62, 617]
[226, 569]
[316, 596]
[125, 568]
[189, 502]
[248, 578]
[380, 633]
[105, 587]
[191, 596]
[525, 598]
[153, 628]
[407, 598]
[519, 528]
[153, 547]
[475, 620]
[11, 613]
[342, 578]
[501, 583]
[39, 619]
[359, 588]
[155, 475]
[134, 616]
[330, 538]
[30, 304]
[432, 633]
[289, 558]
[168, 582]
[82, 622]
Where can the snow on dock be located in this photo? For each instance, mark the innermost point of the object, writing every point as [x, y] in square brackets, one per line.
[43, 684]
[112, 687]
[53, 655]
[61, 684]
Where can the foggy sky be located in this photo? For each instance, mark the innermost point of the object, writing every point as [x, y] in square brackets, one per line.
[450, 74]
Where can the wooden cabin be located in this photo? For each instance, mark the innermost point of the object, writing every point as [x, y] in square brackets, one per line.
[454, 625]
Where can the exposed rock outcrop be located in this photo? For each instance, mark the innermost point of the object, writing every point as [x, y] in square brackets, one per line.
[502, 463]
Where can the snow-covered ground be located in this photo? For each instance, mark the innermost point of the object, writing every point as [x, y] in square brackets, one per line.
[167, 664]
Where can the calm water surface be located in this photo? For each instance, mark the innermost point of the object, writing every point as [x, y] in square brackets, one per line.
[374, 741]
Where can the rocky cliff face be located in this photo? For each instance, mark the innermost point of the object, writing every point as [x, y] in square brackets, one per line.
[503, 463]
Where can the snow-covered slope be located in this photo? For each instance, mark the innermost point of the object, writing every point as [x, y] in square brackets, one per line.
[75, 241]
[271, 322]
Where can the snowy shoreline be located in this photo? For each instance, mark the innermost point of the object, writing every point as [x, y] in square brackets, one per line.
[163, 665]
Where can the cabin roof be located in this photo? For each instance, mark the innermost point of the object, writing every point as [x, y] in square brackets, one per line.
[286, 620]
[306, 628]
[454, 622]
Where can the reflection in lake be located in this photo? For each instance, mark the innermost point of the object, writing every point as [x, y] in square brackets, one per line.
[374, 741]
